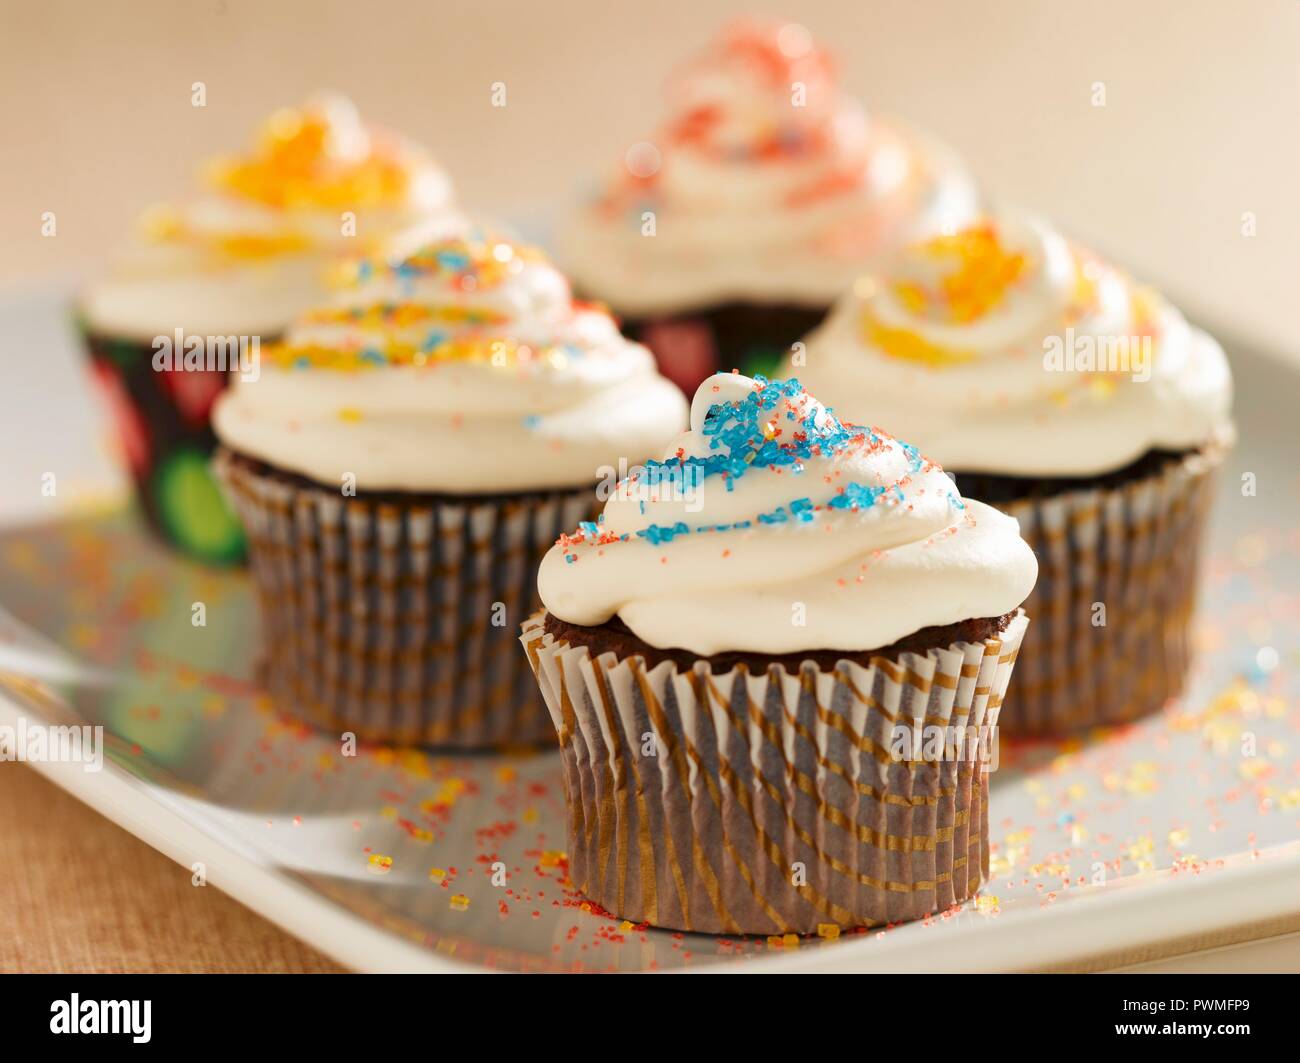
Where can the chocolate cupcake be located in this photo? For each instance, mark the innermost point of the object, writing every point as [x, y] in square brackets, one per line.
[401, 464]
[1081, 404]
[775, 665]
[212, 279]
[726, 237]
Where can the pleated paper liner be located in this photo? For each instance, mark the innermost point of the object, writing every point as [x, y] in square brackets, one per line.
[395, 618]
[1116, 592]
[163, 429]
[772, 803]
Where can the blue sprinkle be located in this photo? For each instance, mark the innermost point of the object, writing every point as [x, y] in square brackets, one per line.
[664, 533]
[857, 496]
[736, 431]
[452, 260]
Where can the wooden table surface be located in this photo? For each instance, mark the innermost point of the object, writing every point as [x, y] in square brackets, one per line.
[83, 895]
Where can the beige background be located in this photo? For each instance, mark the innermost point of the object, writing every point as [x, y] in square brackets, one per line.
[1201, 123]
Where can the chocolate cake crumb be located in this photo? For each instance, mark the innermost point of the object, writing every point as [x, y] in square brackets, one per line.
[996, 489]
[617, 636]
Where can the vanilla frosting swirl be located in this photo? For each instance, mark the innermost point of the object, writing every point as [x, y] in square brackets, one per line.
[766, 182]
[462, 366]
[1005, 349]
[773, 527]
[245, 253]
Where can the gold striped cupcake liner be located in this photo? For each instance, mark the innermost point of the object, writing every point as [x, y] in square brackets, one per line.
[773, 803]
[397, 621]
[1116, 592]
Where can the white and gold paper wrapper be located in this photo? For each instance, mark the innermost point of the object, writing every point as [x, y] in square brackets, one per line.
[771, 803]
[1116, 591]
[397, 621]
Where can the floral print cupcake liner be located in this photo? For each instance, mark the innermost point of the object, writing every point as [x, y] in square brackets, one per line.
[162, 424]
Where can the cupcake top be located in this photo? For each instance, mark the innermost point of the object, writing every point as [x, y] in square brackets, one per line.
[773, 527]
[1006, 349]
[244, 253]
[766, 182]
[464, 366]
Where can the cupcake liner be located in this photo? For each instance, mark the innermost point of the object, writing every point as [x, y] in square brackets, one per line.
[162, 423]
[772, 803]
[396, 620]
[1135, 549]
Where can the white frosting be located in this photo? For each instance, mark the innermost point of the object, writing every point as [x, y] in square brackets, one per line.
[968, 378]
[776, 564]
[229, 262]
[472, 371]
[757, 196]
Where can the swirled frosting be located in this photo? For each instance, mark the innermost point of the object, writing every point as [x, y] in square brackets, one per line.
[464, 366]
[245, 254]
[1006, 349]
[773, 527]
[766, 182]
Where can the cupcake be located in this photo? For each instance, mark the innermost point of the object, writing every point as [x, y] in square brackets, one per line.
[211, 279]
[727, 237]
[743, 655]
[401, 464]
[1078, 402]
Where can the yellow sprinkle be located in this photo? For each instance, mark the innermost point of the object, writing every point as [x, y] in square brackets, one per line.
[84, 635]
[1255, 768]
[380, 865]
[911, 295]
[988, 904]
[626, 926]
[909, 346]
[459, 902]
[350, 414]
[437, 874]
[552, 858]
[388, 812]
[828, 931]
[790, 941]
